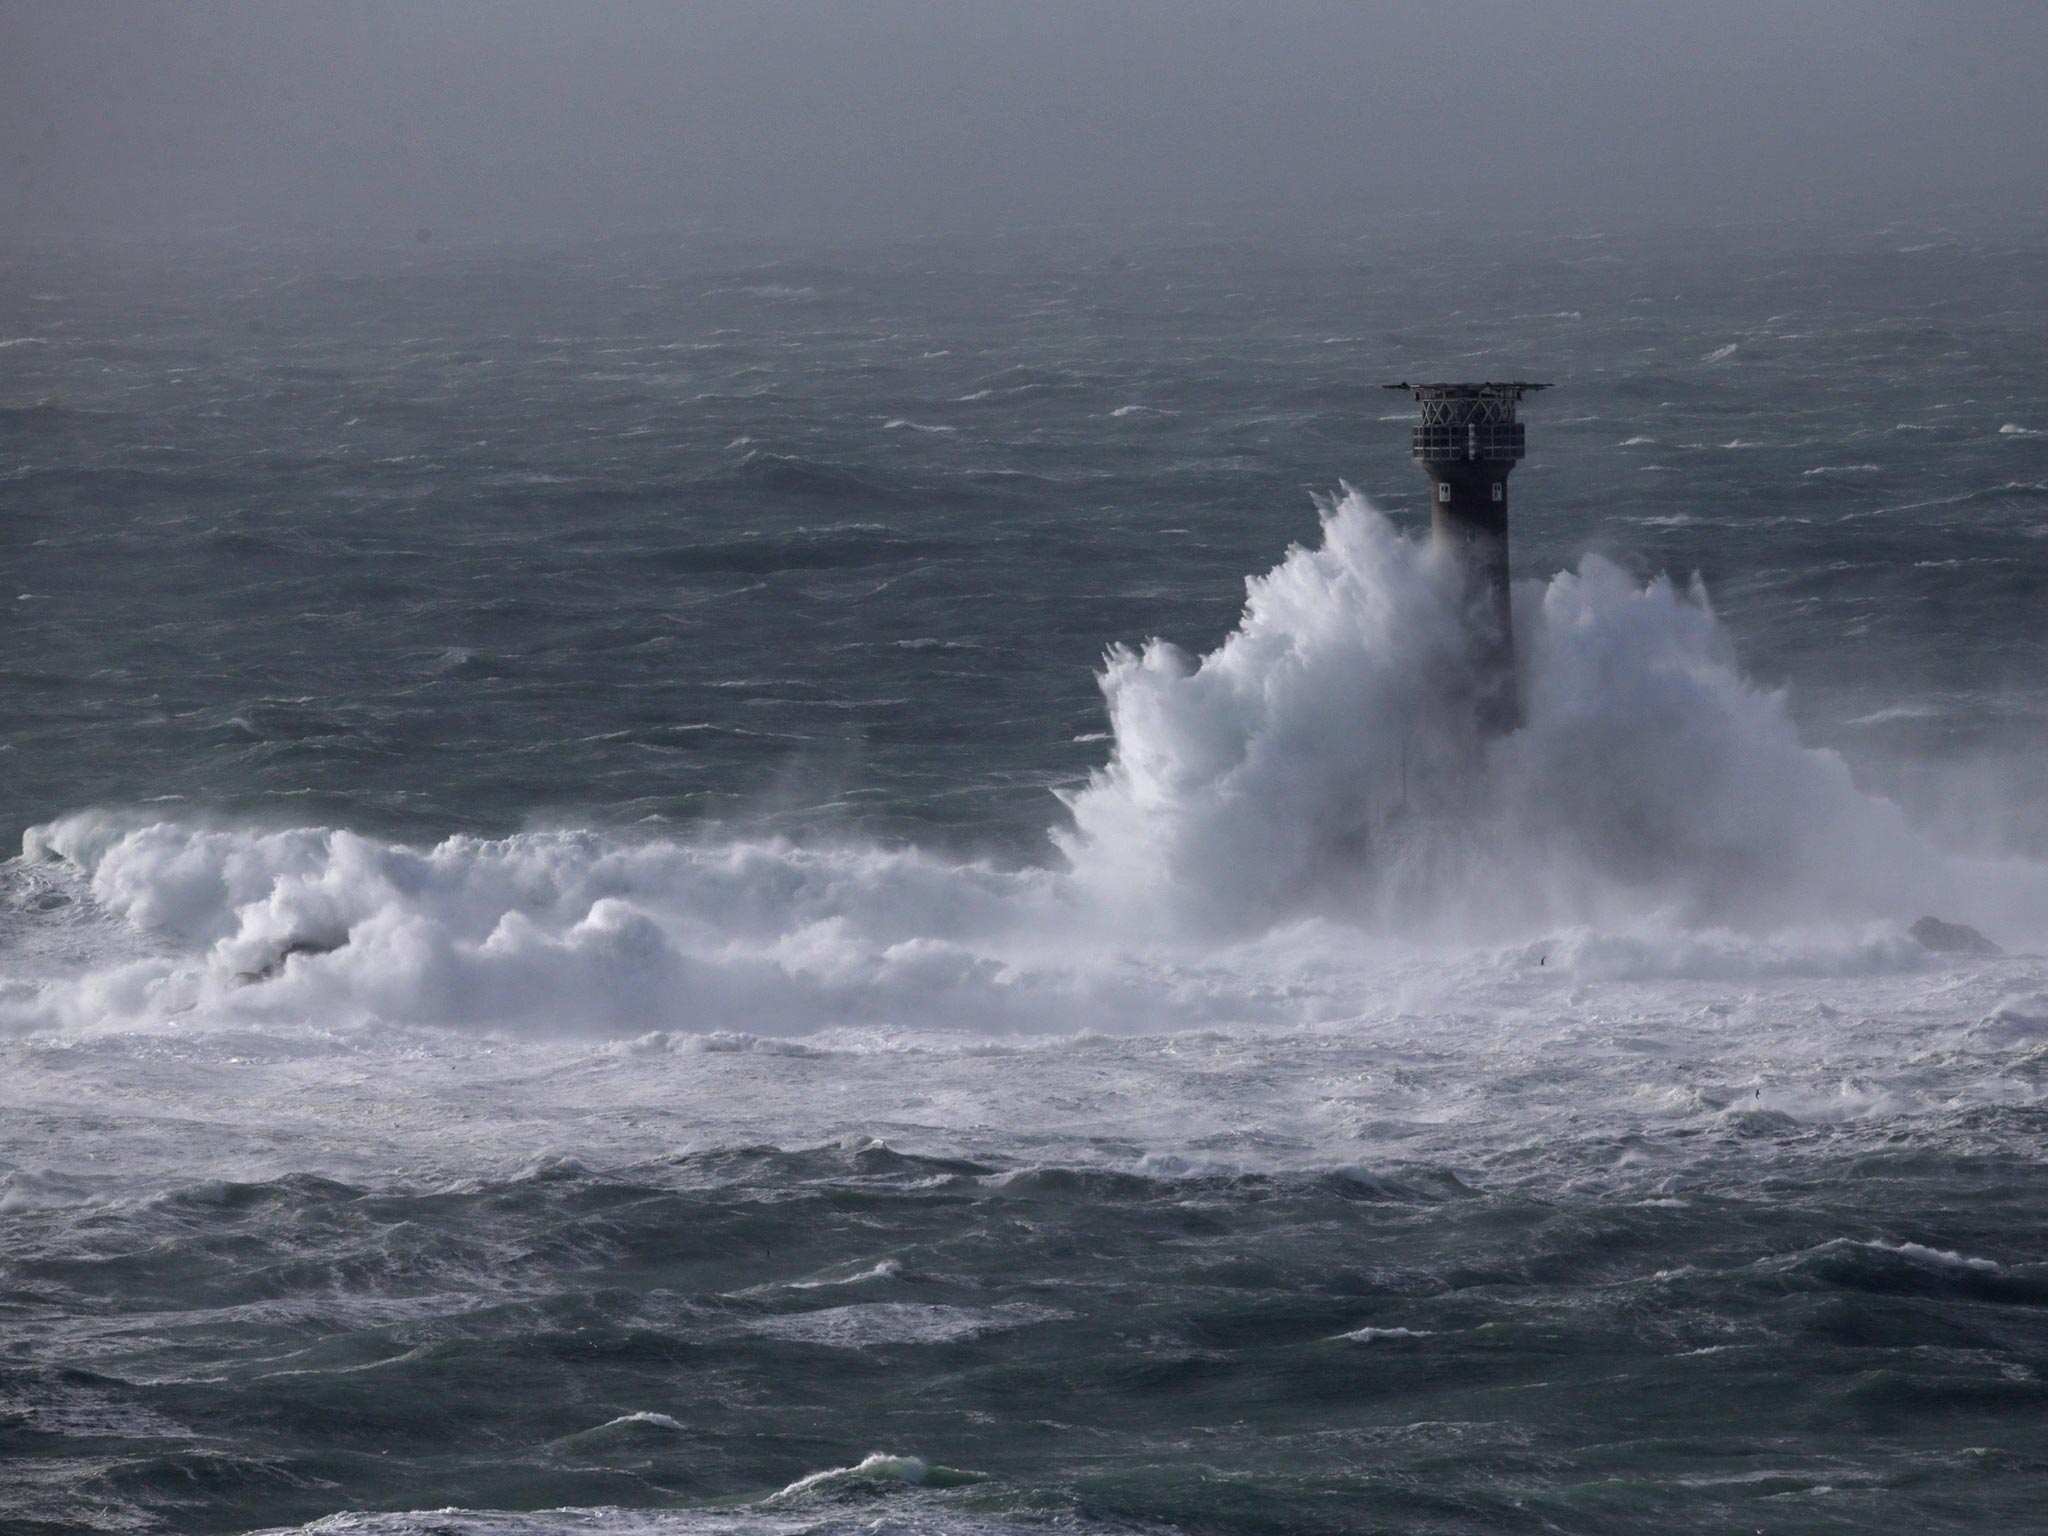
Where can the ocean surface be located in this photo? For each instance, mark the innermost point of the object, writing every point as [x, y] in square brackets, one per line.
[679, 887]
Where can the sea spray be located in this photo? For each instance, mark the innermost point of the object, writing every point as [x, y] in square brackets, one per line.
[1323, 762]
[1243, 784]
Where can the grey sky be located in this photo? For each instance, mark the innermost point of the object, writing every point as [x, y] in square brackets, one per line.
[880, 116]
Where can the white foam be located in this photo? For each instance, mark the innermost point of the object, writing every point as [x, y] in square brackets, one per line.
[546, 930]
[1368, 1335]
[884, 1269]
[652, 1420]
[1310, 766]
[1940, 1258]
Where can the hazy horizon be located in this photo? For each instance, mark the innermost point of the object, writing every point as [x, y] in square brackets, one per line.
[912, 117]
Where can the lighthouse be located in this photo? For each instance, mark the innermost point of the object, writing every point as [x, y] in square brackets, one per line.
[1467, 442]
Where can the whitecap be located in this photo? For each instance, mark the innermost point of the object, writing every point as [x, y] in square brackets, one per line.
[1939, 1258]
[877, 1465]
[871, 1325]
[882, 1269]
[651, 1420]
[1369, 1335]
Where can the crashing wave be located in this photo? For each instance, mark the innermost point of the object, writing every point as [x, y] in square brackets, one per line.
[1312, 787]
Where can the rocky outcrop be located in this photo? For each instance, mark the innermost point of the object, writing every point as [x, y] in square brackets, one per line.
[1952, 938]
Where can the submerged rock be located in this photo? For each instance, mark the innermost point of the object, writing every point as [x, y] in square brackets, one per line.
[274, 966]
[1952, 938]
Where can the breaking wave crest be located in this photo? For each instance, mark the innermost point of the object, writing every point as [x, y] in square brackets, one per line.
[1273, 817]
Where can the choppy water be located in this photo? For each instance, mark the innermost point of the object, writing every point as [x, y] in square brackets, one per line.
[586, 941]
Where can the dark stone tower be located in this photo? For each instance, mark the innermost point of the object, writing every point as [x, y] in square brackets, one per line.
[1467, 443]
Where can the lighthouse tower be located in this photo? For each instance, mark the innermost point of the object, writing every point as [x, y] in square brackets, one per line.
[1467, 443]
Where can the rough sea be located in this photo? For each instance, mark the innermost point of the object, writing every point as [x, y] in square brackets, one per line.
[679, 887]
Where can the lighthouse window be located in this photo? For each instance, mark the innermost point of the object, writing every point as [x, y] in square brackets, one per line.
[1443, 493]
[1498, 488]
